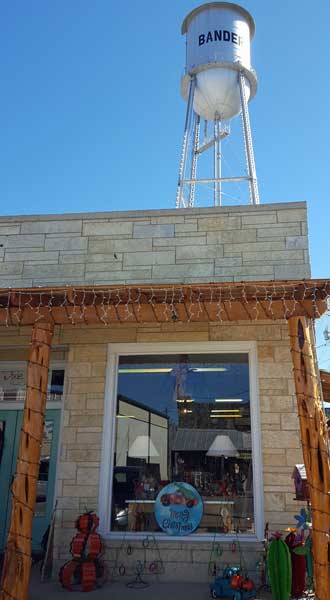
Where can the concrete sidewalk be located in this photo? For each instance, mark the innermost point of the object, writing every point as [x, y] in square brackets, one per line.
[52, 590]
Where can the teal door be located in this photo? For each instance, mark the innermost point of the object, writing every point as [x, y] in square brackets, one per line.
[10, 427]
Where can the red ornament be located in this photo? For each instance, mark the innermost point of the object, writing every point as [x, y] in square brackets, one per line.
[236, 582]
[248, 585]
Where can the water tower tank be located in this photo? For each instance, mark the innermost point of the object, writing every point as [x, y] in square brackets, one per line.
[218, 48]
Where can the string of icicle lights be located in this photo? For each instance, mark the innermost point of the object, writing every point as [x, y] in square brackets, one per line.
[166, 303]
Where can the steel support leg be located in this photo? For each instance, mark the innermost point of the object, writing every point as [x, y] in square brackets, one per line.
[194, 160]
[249, 155]
[180, 191]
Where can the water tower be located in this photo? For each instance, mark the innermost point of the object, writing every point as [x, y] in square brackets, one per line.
[217, 85]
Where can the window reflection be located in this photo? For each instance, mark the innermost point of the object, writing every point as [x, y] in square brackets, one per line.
[45, 454]
[184, 418]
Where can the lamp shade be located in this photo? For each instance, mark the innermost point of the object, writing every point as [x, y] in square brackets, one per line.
[142, 447]
[222, 446]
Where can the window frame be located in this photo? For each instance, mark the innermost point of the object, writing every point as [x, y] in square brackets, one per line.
[109, 424]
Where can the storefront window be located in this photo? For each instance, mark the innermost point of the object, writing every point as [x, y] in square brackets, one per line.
[183, 418]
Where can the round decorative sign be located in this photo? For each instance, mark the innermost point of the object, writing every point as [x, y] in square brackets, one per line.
[178, 508]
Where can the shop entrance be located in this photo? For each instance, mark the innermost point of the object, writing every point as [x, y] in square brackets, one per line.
[10, 427]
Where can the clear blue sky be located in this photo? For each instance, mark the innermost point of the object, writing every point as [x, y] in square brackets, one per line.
[91, 116]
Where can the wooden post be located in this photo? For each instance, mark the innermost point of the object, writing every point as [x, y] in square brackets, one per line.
[17, 560]
[314, 437]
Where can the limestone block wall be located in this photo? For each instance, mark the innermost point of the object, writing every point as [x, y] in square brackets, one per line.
[238, 243]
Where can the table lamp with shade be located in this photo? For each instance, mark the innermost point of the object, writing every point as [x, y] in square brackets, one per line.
[143, 447]
[222, 447]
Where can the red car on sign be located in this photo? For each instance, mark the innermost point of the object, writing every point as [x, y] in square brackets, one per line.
[178, 498]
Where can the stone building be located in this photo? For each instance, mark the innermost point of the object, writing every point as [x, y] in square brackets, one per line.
[137, 403]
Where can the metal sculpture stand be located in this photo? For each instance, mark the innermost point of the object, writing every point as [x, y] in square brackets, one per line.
[191, 136]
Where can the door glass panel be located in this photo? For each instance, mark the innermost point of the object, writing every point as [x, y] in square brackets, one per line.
[2, 437]
[45, 455]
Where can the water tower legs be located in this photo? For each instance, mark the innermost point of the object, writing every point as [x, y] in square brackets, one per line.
[191, 139]
[180, 200]
[247, 136]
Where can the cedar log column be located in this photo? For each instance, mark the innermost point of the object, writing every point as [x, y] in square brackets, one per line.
[314, 437]
[17, 561]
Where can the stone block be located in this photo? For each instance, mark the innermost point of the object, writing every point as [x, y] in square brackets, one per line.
[198, 240]
[273, 385]
[277, 479]
[88, 475]
[185, 227]
[257, 247]
[56, 271]
[65, 225]
[108, 277]
[67, 503]
[219, 223]
[107, 228]
[75, 401]
[278, 404]
[109, 257]
[151, 231]
[183, 272]
[290, 421]
[256, 219]
[67, 470]
[243, 271]
[80, 491]
[287, 439]
[232, 236]
[108, 268]
[72, 258]
[273, 257]
[229, 261]
[297, 241]
[89, 420]
[98, 369]
[97, 403]
[294, 457]
[30, 257]
[84, 455]
[66, 243]
[265, 353]
[82, 369]
[292, 271]
[199, 252]
[270, 418]
[275, 502]
[86, 386]
[25, 241]
[176, 219]
[273, 370]
[88, 353]
[149, 258]
[282, 353]
[275, 458]
[164, 336]
[92, 439]
[103, 246]
[278, 230]
[11, 268]
[69, 435]
[291, 215]
[9, 229]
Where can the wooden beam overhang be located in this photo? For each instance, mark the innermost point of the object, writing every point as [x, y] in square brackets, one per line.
[245, 301]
